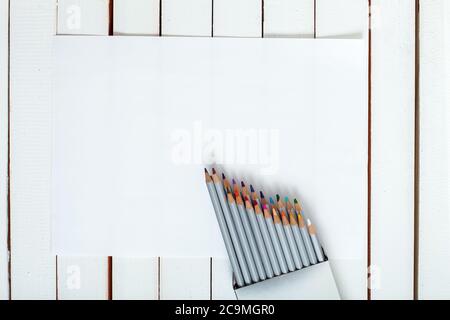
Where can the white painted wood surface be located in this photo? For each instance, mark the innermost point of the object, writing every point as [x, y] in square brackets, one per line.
[33, 267]
[289, 18]
[89, 18]
[136, 17]
[434, 224]
[83, 17]
[82, 278]
[236, 18]
[393, 67]
[4, 88]
[32, 25]
[136, 278]
[340, 19]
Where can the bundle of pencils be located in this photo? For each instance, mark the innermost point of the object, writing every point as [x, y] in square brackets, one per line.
[263, 238]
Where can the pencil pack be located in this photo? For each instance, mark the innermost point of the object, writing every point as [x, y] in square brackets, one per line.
[274, 252]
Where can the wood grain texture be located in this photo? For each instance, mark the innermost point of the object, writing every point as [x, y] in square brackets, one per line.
[393, 67]
[92, 17]
[135, 278]
[33, 265]
[434, 192]
[347, 19]
[136, 17]
[4, 153]
[185, 278]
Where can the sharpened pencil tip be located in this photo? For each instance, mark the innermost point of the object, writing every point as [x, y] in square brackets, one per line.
[295, 200]
[261, 194]
[213, 171]
[271, 201]
[233, 181]
[223, 176]
[278, 197]
[286, 199]
[251, 188]
[242, 184]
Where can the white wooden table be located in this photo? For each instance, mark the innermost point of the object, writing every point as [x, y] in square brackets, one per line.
[408, 214]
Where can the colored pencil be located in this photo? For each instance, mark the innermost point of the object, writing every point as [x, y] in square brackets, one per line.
[224, 230]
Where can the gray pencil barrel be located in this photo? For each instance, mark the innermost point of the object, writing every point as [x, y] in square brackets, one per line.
[252, 242]
[225, 235]
[308, 244]
[233, 233]
[285, 246]
[244, 241]
[268, 244]
[300, 245]
[260, 243]
[293, 246]
[317, 248]
[276, 245]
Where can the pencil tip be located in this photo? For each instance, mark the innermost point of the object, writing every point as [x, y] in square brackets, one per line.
[286, 199]
[242, 184]
[206, 171]
[213, 171]
[223, 176]
[261, 194]
[271, 200]
[278, 197]
[295, 200]
[251, 188]
[233, 181]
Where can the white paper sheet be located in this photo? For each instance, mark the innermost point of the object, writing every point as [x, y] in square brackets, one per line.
[137, 118]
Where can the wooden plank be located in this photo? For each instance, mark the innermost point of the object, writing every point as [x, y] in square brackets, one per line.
[186, 18]
[136, 17]
[222, 280]
[93, 19]
[185, 278]
[289, 18]
[341, 18]
[83, 17]
[82, 278]
[33, 265]
[347, 19]
[434, 208]
[392, 231]
[234, 18]
[135, 278]
[4, 88]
